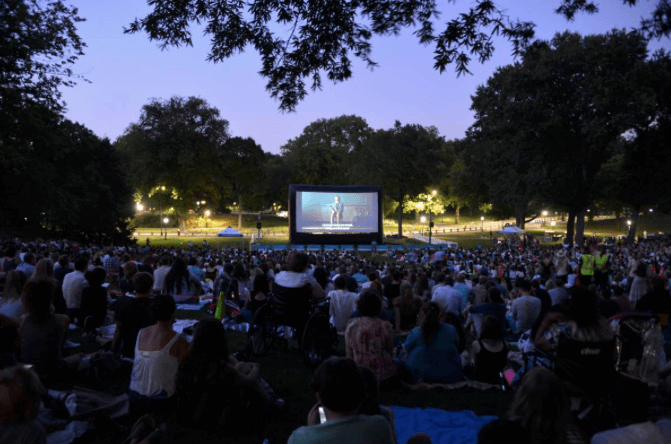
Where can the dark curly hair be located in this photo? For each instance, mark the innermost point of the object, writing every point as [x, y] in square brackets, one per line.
[340, 385]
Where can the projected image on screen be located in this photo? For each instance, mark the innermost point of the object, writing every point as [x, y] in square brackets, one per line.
[336, 213]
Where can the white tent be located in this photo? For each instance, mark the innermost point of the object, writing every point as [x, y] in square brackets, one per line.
[229, 232]
[512, 230]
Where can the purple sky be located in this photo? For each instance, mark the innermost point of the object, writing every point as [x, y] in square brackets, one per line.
[127, 70]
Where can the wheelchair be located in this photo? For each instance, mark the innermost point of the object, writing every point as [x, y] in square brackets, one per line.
[294, 308]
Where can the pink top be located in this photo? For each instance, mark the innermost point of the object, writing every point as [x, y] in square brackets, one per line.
[371, 341]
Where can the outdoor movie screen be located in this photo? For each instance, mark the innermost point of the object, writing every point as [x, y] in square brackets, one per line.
[335, 212]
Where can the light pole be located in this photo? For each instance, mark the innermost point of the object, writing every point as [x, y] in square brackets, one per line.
[482, 223]
[165, 220]
[207, 215]
[628, 227]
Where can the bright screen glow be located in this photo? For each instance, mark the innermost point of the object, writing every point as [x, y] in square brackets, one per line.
[336, 213]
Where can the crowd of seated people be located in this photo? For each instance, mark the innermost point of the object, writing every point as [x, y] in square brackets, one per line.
[404, 323]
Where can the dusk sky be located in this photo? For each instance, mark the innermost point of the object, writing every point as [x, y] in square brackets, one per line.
[127, 70]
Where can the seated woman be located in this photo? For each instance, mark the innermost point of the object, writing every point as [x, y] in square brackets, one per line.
[432, 350]
[11, 304]
[489, 354]
[406, 308]
[158, 352]
[45, 270]
[20, 391]
[126, 282]
[42, 334]
[370, 341]
[214, 391]
[180, 282]
[257, 298]
[94, 300]
[132, 315]
[540, 406]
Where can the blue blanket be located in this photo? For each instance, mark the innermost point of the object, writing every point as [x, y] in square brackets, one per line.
[443, 427]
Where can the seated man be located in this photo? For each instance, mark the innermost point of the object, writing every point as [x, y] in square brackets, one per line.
[298, 276]
[340, 391]
[337, 209]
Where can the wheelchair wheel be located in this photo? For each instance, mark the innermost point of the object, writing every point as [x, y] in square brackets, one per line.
[261, 331]
[317, 344]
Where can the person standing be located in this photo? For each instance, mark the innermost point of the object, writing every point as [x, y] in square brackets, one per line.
[587, 262]
[73, 285]
[337, 209]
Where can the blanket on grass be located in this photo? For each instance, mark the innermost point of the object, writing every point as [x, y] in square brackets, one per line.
[443, 427]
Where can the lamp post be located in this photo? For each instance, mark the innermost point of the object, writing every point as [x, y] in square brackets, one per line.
[207, 215]
[628, 227]
[482, 223]
[165, 220]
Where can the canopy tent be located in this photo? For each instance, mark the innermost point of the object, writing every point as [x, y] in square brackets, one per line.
[229, 232]
[512, 230]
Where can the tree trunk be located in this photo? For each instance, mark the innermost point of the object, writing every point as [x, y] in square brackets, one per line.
[239, 212]
[570, 227]
[580, 227]
[182, 223]
[456, 214]
[520, 215]
[400, 217]
[617, 219]
[634, 221]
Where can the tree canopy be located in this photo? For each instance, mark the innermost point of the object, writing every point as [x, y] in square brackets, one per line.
[324, 151]
[322, 37]
[178, 148]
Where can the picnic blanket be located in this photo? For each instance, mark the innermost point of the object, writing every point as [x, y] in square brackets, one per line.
[443, 427]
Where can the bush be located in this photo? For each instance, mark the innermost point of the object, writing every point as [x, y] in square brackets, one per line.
[151, 221]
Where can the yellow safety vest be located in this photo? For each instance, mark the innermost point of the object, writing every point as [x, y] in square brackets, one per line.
[587, 268]
[601, 262]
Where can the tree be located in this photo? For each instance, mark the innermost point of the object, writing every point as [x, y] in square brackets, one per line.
[551, 120]
[277, 178]
[504, 145]
[323, 36]
[179, 144]
[244, 171]
[324, 152]
[38, 46]
[400, 159]
[637, 174]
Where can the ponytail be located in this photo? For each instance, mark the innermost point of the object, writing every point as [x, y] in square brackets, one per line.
[430, 322]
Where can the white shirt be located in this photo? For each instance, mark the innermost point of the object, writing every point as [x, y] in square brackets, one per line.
[159, 277]
[289, 279]
[449, 299]
[343, 304]
[73, 285]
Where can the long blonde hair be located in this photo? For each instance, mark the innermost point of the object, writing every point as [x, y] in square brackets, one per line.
[44, 269]
[540, 407]
[14, 283]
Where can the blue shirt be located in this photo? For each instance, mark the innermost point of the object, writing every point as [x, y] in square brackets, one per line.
[26, 268]
[438, 361]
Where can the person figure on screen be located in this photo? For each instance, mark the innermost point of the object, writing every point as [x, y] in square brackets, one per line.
[337, 209]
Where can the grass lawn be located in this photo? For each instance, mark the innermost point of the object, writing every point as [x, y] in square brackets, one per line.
[286, 373]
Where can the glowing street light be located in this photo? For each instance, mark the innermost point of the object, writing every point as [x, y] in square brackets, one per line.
[139, 206]
[162, 188]
[650, 210]
[482, 223]
[166, 220]
[207, 213]
[629, 223]
[545, 213]
[423, 219]
[434, 192]
[202, 202]
[553, 223]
